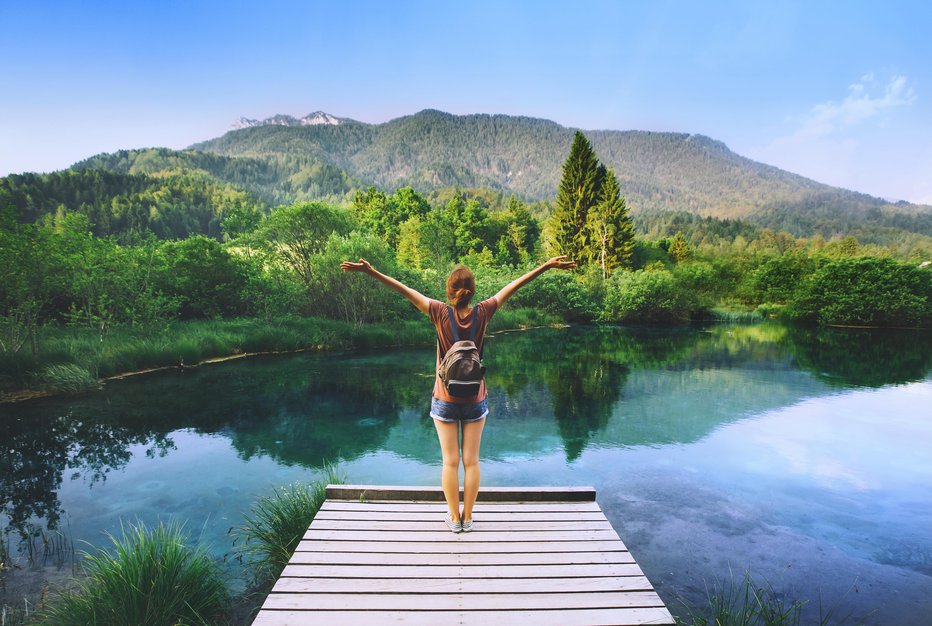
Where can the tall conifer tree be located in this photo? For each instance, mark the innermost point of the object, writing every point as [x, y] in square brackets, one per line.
[577, 194]
[611, 232]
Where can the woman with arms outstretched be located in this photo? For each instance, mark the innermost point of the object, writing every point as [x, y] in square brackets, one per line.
[448, 411]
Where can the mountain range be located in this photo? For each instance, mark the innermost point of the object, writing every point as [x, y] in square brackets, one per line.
[285, 159]
[658, 172]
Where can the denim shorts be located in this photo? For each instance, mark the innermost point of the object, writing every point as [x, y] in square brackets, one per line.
[453, 412]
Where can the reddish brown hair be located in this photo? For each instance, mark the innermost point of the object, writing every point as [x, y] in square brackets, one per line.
[461, 286]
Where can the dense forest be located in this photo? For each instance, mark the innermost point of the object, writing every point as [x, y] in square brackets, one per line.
[141, 240]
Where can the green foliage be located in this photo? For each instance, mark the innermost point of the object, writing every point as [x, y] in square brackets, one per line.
[276, 524]
[611, 231]
[702, 280]
[579, 191]
[866, 292]
[558, 293]
[204, 277]
[172, 205]
[298, 232]
[151, 577]
[745, 603]
[678, 248]
[647, 297]
[67, 377]
[777, 279]
[342, 295]
[384, 214]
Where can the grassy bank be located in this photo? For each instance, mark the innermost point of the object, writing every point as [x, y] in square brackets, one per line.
[76, 359]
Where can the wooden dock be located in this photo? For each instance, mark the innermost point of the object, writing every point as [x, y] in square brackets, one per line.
[382, 555]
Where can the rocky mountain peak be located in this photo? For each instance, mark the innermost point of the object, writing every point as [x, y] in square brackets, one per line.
[311, 119]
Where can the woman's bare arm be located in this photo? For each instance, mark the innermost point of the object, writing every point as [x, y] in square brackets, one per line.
[557, 262]
[419, 300]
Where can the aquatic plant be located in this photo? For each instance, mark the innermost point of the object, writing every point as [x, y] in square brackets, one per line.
[67, 377]
[151, 577]
[750, 603]
[272, 530]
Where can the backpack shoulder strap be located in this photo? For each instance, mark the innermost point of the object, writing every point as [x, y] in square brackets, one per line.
[450, 314]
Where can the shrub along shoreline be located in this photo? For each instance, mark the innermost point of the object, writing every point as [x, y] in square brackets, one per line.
[76, 359]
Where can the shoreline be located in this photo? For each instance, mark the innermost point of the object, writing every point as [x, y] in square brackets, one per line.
[23, 395]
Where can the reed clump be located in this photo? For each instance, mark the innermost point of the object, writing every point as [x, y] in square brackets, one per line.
[150, 576]
[272, 530]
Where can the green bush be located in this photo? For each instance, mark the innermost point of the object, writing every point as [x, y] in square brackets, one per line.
[274, 528]
[866, 292]
[647, 297]
[558, 293]
[151, 578]
[778, 279]
[351, 296]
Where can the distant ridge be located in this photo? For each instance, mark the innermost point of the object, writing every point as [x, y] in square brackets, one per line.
[666, 178]
[658, 171]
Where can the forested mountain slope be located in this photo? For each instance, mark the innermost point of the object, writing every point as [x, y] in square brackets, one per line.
[269, 164]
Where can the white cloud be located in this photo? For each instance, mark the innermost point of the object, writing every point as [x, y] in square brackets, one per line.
[836, 142]
[862, 103]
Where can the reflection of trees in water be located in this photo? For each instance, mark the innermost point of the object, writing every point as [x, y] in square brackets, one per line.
[584, 370]
[38, 450]
[862, 357]
[309, 409]
[298, 410]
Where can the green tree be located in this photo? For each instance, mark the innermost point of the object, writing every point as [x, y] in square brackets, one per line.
[207, 279]
[410, 250]
[297, 232]
[436, 240]
[470, 229]
[578, 192]
[646, 296]
[868, 292]
[31, 279]
[679, 249]
[517, 234]
[340, 295]
[611, 232]
[384, 215]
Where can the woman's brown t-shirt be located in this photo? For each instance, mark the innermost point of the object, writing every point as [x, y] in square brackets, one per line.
[438, 313]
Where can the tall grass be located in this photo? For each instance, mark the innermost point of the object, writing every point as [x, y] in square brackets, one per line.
[150, 578]
[749, 603]
[74, 359]
[272, 530]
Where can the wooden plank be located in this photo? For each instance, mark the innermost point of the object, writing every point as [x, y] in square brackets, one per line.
[434, 547]
[495, 516]
[481, 507]
[574, 617]
[453, 602]
[486, 494]
[383, 555]
[446, 536]
[462, 571]
[456, 558]
[481, 525]
[467, 585]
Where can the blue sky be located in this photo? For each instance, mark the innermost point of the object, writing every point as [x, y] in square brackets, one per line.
[840, 92]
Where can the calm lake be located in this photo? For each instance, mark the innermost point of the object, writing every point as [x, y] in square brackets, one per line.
[802, 456]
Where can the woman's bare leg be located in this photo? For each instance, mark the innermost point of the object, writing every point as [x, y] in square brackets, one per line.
[472, 437]
[449, 432]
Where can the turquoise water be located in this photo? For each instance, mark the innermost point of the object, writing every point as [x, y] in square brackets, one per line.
[802, 456]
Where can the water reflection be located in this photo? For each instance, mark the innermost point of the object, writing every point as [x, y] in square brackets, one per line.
[569, 388]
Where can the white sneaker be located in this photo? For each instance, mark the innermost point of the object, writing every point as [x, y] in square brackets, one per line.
[456, 527]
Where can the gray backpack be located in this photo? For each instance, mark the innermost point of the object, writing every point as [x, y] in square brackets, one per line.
[461, 368]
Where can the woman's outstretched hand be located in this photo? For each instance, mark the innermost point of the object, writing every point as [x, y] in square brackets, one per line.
[362, 266]
[560, 263]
